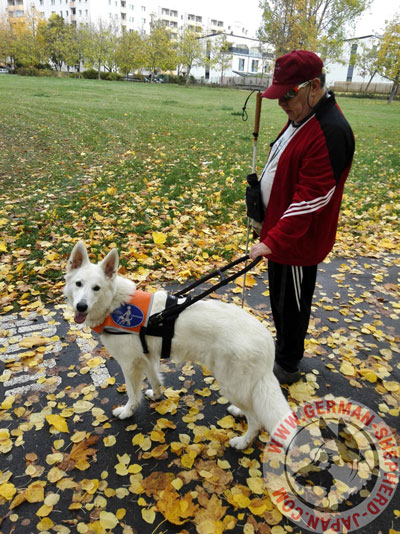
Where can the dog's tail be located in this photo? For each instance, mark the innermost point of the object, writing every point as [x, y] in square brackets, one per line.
[272, 409]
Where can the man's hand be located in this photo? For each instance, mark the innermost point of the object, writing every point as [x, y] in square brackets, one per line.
[259, 250]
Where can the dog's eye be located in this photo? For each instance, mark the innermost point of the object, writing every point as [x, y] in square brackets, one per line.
[78, 284]
[96, 288]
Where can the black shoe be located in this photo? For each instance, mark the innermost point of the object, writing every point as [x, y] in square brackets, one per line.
[286, 377]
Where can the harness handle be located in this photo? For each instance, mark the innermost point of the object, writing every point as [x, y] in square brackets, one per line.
[178, 308]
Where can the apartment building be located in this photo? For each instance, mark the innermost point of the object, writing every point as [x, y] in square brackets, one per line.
[128, 15]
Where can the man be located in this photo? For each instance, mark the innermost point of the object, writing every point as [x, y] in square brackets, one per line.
[301, 187]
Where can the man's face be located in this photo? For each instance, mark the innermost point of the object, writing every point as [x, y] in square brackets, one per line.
[298, 107]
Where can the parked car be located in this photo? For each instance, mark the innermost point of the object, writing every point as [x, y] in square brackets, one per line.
[3, 70]
[161, 78]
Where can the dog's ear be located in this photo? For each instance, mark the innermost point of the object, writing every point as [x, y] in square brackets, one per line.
[79, 257]
[110, 263]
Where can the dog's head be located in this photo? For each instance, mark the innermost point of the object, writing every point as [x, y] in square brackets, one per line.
[90, 287]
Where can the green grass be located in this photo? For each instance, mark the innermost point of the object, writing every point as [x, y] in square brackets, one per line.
[111, 162]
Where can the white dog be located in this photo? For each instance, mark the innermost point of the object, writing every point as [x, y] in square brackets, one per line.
[233, 345]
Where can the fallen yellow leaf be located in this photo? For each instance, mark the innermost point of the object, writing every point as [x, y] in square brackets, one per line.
[58, 422]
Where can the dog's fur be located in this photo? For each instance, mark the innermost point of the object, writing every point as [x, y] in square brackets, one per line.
[233, 345]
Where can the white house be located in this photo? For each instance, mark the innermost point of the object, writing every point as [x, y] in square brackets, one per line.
[349, 72]
[249, 58]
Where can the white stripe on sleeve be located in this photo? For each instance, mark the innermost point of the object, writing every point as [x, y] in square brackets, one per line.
[299, 208]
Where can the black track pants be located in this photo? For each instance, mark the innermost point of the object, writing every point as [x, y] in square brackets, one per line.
[291, 291]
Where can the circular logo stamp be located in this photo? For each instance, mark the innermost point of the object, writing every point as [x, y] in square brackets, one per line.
[332, 465]
[128, 316]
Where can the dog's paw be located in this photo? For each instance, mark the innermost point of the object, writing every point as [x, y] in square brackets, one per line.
[123, 412]
[153, 395]
[239, 443]
[235, 411]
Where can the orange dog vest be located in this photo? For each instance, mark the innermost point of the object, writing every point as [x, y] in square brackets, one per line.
[130, 317]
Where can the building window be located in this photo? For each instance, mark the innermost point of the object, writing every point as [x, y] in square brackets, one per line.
[241, 64]
[254, 65]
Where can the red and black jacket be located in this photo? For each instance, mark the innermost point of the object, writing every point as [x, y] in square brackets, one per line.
[302, 214]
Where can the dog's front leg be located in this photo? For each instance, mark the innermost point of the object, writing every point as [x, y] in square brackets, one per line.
[133, 374]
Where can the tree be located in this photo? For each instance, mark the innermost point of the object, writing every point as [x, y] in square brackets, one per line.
[57, 38]
[21, 40]
[318, 25]
[129, 52]
[366, 62]
[159, 49]
[221, 57]
[7, 40]
[388, 58]
[98, 45]
[190, 50]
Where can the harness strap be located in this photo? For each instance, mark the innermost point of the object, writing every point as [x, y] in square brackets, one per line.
[176, 309]
[165, 330]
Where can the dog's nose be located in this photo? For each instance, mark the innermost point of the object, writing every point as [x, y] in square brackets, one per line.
[81, 307]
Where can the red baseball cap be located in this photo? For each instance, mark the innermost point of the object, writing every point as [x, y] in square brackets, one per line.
[292, 69]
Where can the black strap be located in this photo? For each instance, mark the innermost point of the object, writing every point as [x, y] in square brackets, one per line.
[165, 330]
[175, 310]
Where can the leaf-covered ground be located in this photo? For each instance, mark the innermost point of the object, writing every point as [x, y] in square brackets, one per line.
[68, 466]
[160, 172]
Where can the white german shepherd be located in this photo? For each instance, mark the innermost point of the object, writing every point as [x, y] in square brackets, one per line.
[233, 345]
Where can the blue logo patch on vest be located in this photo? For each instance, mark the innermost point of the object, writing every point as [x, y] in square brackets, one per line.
[127, 316]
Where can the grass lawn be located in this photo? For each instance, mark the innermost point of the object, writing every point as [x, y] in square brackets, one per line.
[159, 171]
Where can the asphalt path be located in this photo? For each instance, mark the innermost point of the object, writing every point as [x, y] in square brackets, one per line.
[354, 328]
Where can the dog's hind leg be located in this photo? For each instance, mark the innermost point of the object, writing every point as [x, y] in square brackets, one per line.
[242, 442]
[133, 375]
[154, 378]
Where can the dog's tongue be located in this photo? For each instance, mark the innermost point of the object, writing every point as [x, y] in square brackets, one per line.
[80, 317]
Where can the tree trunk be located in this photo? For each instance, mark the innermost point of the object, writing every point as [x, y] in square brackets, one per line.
[369, 83]
[393, 92]
[98, 72]
[187, 76]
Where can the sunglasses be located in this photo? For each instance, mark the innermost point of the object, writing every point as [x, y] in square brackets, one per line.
[293, 92]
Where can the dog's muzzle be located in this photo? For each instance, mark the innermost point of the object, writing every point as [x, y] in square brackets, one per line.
[81, 312]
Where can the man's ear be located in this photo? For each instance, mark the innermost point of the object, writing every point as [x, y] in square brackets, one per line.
[78, 257]
[110, 263]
